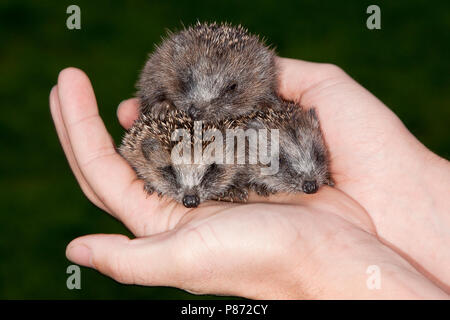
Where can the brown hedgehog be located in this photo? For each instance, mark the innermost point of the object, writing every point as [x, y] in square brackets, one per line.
[299, 155]
[210, 71]
[303, 162]
[149, 148]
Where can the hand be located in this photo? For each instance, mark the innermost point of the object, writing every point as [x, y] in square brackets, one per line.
[305, 246]
[379, 163]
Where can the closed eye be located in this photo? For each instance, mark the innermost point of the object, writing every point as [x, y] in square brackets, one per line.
[282, 162]
[210, 175]
[286, 166]
[168, 174]
[186, 82]
[168, 170]
[318, 153]
[231, 87]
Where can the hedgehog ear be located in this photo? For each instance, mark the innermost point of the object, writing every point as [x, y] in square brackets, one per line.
[148, 102]
[255, 124]
[313, 117]
[150, 146]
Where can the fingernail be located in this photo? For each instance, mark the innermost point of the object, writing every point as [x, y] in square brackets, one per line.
[80, 254]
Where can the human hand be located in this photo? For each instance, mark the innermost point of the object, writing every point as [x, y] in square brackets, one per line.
[380, 164]
[253, 250]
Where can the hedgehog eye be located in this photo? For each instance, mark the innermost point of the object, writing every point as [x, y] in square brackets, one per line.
[282, 162]
[168, 172]
[210, 174]
[211, 169]
[186, 82]
[231, 87]
[318, 154]
[160, 97]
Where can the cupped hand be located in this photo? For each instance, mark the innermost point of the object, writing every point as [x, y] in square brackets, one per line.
[380, 164]
[295, 246]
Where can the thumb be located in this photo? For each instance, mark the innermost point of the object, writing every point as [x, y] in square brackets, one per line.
[297, 77]
[144, 261]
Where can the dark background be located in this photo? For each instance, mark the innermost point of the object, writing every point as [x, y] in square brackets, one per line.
[406, 64]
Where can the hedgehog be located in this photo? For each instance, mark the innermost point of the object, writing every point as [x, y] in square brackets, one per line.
[303, 160]
[151, 150]
[210, 71]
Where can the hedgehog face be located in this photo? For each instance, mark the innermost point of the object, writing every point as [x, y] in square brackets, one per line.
[211, 72]
[196, 183]
[189, 184]
[209, 89]
[303, 159]
[303, 163]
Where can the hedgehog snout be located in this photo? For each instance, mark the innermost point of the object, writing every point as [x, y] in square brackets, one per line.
[191, 201]
[310, 186]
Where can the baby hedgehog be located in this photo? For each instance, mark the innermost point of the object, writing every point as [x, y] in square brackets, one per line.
[209, 70]
[148, 146]
[302, 153]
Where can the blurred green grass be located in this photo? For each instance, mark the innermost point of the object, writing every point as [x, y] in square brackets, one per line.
[406, 64]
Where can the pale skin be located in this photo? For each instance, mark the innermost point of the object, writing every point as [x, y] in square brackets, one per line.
[389, 208]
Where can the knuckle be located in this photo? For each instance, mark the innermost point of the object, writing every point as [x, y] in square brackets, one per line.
[100, 153]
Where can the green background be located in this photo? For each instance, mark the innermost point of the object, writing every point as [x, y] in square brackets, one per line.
[406, 64]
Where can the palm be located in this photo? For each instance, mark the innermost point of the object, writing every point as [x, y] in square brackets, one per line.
[225, 239]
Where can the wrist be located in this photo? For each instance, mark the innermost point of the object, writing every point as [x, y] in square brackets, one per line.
[413, 215]
[399, 281]
[428, 216]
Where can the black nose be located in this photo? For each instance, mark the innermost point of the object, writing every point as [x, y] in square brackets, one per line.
[191, 201]
[193, 112]
[309, 187]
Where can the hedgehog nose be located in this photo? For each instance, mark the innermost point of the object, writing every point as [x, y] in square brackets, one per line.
[193, 112]
[191, 201]
[309, 187]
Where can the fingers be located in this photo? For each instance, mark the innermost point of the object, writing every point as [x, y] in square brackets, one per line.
[91, 143]
[297, 77]
[105, 171]
[127, 112]
[144, 261]
[55, 109]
